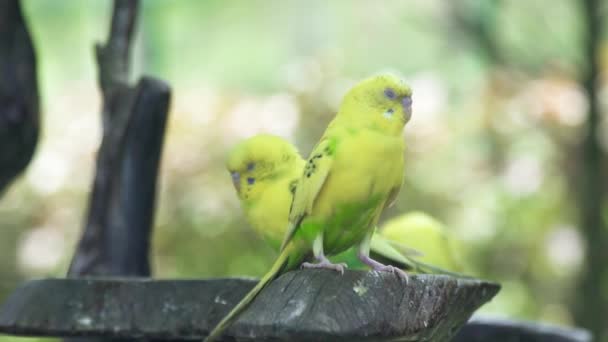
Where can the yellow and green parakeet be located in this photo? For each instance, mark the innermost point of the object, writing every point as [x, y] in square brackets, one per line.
[265, 170]
[352, 174]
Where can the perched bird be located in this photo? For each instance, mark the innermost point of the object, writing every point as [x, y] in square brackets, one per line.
[352, 174]
[424, 233]
[265, 170]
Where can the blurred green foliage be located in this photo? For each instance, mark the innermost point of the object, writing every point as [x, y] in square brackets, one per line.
[491, 146]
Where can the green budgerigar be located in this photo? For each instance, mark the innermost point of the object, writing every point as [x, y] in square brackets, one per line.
[426, 234]
[265, 170]
[352, 174]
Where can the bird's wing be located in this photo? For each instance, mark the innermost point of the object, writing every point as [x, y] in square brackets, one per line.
[392, 196]
[311, 182]
[384, 248]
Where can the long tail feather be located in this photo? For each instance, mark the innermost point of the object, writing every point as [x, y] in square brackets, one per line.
[275, 270]
[423, 267]
[388, 252]
[384, 249]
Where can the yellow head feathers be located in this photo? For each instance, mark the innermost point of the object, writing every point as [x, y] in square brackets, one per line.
[262, 157]
[383, 102]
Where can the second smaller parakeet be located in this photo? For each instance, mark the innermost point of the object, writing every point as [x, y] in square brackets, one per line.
[265, 170]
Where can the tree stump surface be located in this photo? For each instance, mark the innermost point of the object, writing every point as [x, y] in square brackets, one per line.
[299, 305]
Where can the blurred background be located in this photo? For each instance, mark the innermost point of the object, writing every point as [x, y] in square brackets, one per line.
[497, 146]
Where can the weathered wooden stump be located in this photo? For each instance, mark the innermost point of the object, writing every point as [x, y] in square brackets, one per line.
[298, 306]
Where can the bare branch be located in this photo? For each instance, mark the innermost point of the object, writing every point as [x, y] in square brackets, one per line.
[113, 61]
[591, 308]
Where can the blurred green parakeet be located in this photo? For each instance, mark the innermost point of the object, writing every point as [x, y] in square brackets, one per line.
[424, 233]
[352, 174]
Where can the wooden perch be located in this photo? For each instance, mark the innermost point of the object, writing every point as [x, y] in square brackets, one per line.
[299, 305]
[121, 208]
[19, 109]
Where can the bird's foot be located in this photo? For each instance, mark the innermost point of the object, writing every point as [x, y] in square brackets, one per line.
[392, 269]
[376, 266]
[326, 264]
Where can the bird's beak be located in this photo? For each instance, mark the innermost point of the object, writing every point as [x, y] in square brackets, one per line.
[406, 102]
[236, 181]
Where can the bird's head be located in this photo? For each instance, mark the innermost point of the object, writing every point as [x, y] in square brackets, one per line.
[383, 102]
[258, 160]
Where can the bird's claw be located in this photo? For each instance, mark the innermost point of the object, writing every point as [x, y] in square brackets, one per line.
[326, 264]
[376, 266]
[394, 270]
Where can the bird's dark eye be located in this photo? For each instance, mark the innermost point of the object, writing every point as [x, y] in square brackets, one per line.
[390, 93]
[389, 113]
[250, 166]
[250, 180]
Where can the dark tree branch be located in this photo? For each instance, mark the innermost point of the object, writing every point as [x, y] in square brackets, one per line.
[19, 109]
[121, 209]
[113, 59]
[133, 214]
[591, 309]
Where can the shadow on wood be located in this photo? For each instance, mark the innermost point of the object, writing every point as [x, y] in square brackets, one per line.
[299, 305]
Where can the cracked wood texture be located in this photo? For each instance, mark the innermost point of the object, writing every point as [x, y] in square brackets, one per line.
[299, 306]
